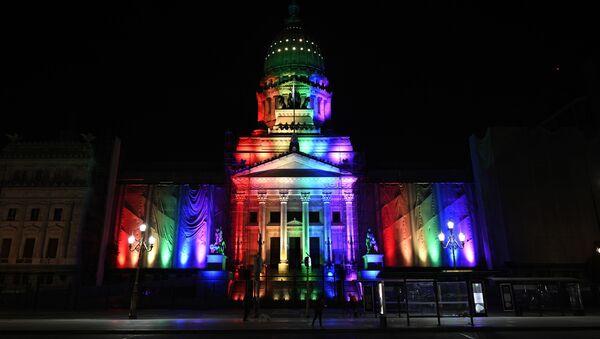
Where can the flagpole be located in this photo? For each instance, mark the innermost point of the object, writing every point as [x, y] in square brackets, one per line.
[294, 106]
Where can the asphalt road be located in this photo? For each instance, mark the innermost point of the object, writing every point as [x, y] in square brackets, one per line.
[287, 324]
[583, 334]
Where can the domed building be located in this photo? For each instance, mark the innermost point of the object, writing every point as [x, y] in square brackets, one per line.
[296, 201]
[290, 179]
[296, 217]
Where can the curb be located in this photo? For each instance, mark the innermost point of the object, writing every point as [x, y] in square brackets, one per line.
[304, 330]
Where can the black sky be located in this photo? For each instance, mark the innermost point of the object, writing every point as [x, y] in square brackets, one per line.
[417, 77]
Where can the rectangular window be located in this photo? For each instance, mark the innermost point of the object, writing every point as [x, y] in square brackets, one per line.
[57, 214]
[35, 214]
[294, 215]
[253, 217]
[28, 249]
[12, 214]
[5, 249]
[274, 217]
[314, 217]
[336, 217]
[52, 248]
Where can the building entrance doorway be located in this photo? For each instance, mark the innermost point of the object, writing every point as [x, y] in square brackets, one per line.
[315, 252]
[274, 257]
[294, 255]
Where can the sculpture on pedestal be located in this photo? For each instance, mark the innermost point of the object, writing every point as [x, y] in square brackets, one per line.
[218, 247]
[371, 242]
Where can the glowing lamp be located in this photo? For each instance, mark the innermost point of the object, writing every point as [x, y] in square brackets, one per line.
[461, 237]
[142, 248]
[598, 249]
[450, 225]
[441, 237]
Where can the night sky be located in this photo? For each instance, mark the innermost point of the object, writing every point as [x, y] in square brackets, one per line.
[411, 80]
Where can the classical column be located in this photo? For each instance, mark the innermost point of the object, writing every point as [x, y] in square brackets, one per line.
[327, 226]
[273, 108]
[351, 239]
[262, 223]
[305, 197]
[240, 199]
[283, 240]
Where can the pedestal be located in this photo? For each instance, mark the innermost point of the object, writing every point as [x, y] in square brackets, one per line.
[216, 262]
[373, 261]
[373, 264]
[282, 267]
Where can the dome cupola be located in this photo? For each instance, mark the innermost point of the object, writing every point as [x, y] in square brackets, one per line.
[293, 48]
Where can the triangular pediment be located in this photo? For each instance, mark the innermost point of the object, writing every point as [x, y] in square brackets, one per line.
[292, 165]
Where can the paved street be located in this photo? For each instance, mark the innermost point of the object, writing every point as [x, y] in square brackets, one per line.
[288, 323]
[594, 334]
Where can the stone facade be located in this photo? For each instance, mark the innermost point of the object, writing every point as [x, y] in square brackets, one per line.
[44, 191]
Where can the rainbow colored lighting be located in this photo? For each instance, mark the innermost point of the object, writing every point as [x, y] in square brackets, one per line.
[180, 218]
[411, 216]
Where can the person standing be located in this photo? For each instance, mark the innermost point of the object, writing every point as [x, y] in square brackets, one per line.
[349, 306]
[248, 301]
[319, 306]
[354, 305]
[248, 296]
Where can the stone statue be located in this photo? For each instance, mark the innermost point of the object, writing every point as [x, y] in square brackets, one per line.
[306, 103]
[281, 102]
[371, 243]
[14, 137]
[219, 245]
[88, 137]
[297, 99]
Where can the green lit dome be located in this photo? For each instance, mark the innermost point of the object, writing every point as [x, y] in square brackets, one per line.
[293, 48]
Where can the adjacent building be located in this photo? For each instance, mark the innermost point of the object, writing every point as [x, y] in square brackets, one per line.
[51, 200]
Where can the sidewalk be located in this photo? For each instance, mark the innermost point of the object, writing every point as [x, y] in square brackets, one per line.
[230, 321]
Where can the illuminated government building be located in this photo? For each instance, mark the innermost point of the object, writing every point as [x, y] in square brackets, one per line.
[300, 191]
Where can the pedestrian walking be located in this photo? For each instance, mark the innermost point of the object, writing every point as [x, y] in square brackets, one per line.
[354, 305]
[248, 296]
[247, 306]
[348, 309]
[319, 305]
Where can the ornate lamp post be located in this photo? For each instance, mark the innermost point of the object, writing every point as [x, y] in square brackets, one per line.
[142, 246]
[452, 243]
[307, 263]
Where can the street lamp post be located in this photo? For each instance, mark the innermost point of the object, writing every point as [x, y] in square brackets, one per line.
[307, 263]
[452, 243]
[140, 245]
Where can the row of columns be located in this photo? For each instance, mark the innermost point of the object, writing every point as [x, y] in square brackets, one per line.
[305, 241]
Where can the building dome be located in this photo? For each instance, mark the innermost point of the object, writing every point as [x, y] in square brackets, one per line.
[293, 48]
